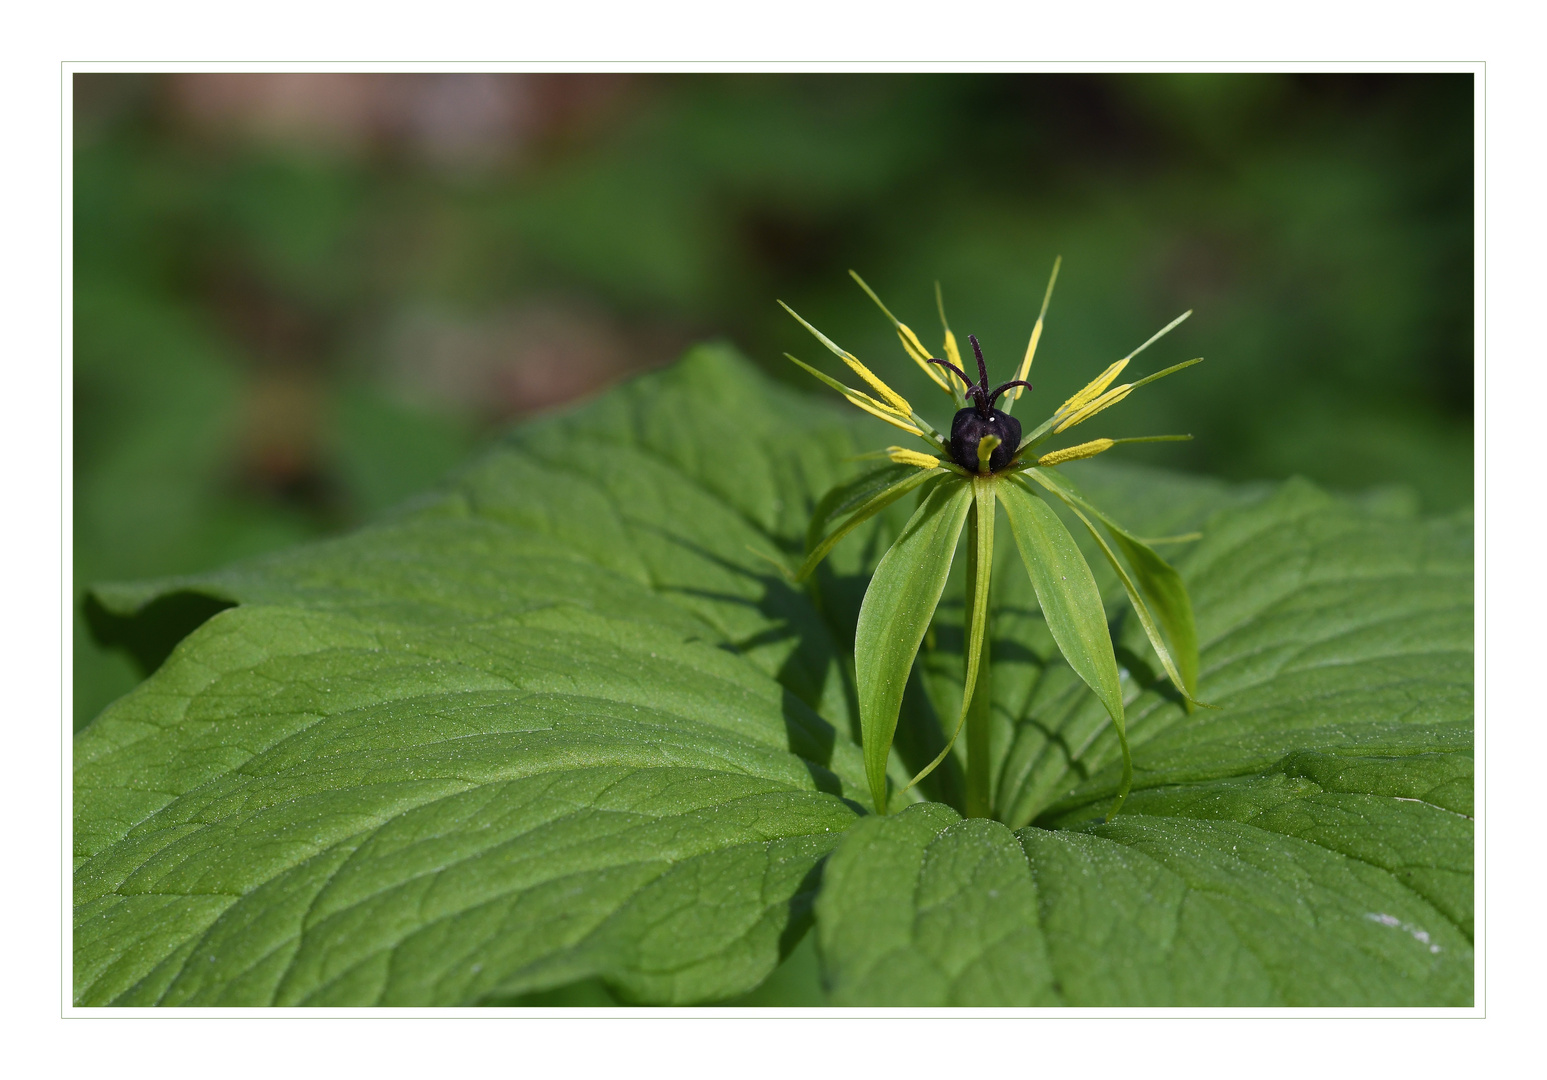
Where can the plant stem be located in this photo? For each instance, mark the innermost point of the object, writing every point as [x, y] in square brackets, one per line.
[979, 793]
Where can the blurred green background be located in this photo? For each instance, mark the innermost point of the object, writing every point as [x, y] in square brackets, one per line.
[301, 298]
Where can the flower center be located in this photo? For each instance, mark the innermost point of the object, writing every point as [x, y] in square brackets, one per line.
[972, 424]
[968, 428]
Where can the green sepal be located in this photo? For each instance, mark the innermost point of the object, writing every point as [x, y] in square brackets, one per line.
[982, 567]
[895, 613]
[1161, 585]
[861, 499]
[843, 498]
[1071, 604]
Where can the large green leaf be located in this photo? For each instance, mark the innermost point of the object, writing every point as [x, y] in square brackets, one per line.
[563, 695]
[560, 725]
[344, 812]
[925, 909]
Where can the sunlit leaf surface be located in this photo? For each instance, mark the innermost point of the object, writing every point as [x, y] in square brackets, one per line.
[562, 723]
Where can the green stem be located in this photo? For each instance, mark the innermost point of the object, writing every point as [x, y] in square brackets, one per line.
[979, 560]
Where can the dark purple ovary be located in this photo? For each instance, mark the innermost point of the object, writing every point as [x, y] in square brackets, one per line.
[967, 430]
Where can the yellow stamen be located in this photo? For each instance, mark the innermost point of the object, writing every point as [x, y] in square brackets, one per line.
[887, 416]
[910, 342]
[912, 457]
[862, 401]
[1075, 453]
[847, 391]
[952, 353]
[1095, 387]
[915, 349]
[1085, 412]
[1036, 331]
[892, 397]
[1104, 380]
[1031, 352]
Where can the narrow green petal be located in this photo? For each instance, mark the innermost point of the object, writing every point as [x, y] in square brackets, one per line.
[1071, 604]
[1158, 580]
[896, 611]
[1172, 370]
[1163, 587]
[1154, 438]
[862, 511]
[1162, 332]
[872, 294]
[1036, 336]
[983, 565]
[844, 498]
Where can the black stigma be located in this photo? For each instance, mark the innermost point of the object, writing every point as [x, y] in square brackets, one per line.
[971, 424]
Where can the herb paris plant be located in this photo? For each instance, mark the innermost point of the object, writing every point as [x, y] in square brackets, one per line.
[553, 724]
[983, 462]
